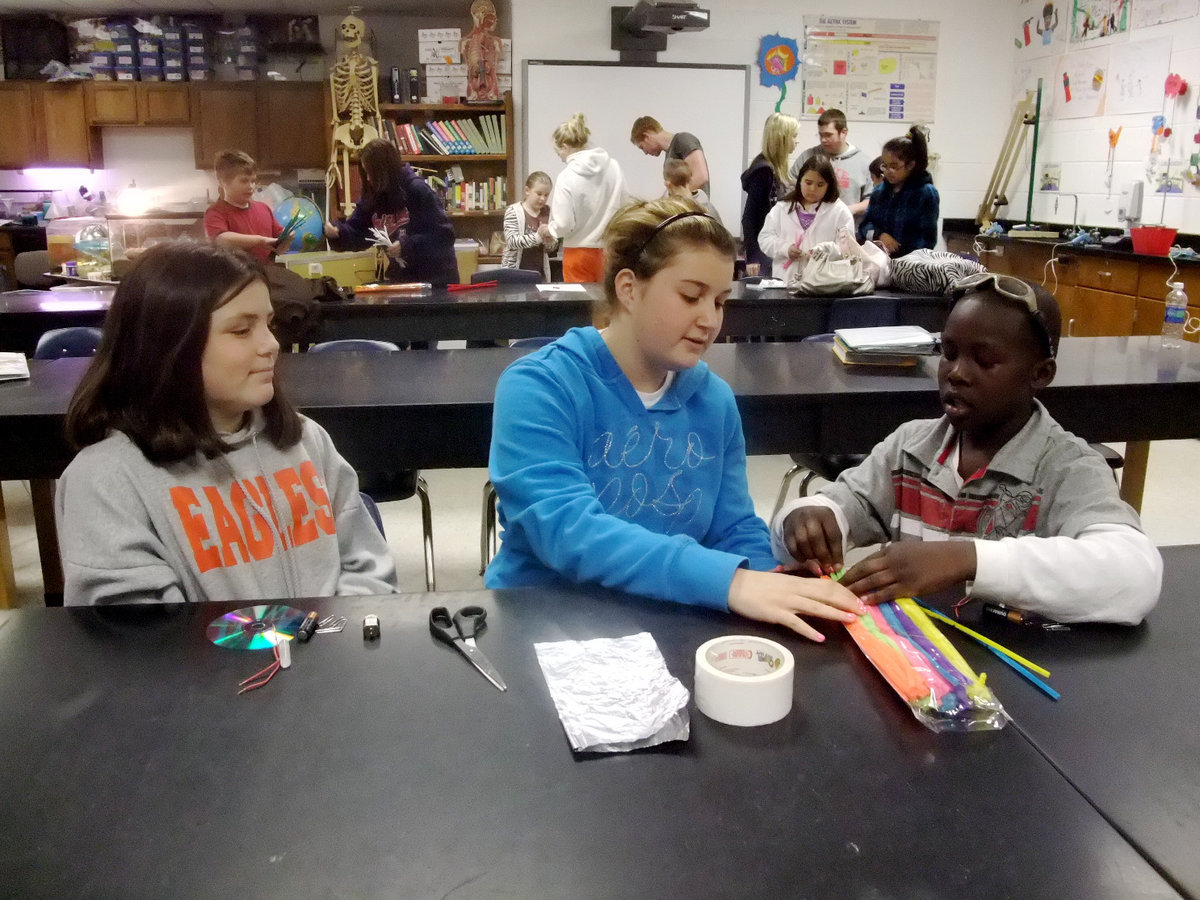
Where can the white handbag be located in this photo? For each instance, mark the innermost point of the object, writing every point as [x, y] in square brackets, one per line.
[825, 272]
[876, 263]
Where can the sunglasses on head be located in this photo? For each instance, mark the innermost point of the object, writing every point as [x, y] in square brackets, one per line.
[1009, 288]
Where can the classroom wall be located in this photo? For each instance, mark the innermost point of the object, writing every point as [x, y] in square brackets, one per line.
[1080, 145]
[973, 87]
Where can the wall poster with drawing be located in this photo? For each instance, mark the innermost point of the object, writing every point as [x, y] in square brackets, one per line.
[875, 70]
[1093, 19]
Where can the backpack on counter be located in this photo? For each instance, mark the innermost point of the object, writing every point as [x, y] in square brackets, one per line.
[297, 304]
[930, 271]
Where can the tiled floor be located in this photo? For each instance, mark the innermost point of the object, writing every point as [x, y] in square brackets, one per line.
[1170, 513]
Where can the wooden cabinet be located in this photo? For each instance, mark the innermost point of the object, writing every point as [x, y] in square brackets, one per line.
[283, 125]
[19, 147]
[224, 117]
[477, 168]
[143, 103]
[1099, 314]
[112, 103]
[293, 124]
[1103, 273]
[46, 124]
[67, 139]
[1099, 294]
[1152, 295]
[164, 104]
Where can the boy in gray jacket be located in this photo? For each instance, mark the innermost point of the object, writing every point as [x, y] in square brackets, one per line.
[994, 493]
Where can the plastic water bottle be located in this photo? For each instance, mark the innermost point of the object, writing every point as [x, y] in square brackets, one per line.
[1176, 316]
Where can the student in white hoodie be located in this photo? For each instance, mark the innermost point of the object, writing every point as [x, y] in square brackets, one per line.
[196, 479]
[808, 215]
[588, 194]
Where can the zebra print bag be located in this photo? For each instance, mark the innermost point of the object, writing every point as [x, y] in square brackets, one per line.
[930, 271]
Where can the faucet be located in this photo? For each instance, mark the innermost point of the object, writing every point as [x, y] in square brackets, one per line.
[1074, 212]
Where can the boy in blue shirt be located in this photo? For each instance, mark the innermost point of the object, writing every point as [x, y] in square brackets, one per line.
[993, 493]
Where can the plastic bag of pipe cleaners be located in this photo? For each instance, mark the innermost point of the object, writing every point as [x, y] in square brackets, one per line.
[923, 667]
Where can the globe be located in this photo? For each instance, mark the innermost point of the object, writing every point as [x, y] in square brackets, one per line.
[308, 229]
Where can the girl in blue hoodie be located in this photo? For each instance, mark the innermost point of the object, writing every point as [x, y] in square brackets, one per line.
[618, 457]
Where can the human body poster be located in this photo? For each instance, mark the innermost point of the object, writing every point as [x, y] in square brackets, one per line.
[875, 70]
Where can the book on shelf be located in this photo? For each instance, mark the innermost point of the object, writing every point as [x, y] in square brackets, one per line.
[467, 136]
[477, 196]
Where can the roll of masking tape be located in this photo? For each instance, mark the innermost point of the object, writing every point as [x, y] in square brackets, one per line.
[743, 680]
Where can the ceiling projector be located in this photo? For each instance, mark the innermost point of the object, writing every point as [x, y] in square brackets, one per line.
[666, 18]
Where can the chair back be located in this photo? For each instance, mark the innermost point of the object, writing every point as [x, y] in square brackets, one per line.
[862, 312]
[31, 267]
[373, 511]
[58, 343]
[532, 342]
[507, 276]
[354, 345]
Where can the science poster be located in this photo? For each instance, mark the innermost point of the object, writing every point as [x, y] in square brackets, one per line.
[875, 70]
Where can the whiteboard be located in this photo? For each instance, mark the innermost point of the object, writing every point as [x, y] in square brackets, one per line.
[711, 102]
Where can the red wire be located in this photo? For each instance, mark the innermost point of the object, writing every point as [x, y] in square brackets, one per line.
[253, 682]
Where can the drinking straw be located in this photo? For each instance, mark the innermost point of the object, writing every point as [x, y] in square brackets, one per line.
[923, 666]
[1027, 675]
[922, 624]
[987, 642]
[890, 662]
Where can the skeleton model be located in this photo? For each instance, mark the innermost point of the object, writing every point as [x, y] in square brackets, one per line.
[354, 82]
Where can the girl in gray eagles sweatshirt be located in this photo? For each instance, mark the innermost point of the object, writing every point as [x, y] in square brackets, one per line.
[196, 478]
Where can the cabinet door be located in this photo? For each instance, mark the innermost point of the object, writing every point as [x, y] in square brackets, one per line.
[1028, 260]
[1150, 315]
[293, 127]
[163, 104]
[69, 140]
[1102, 313]
[1068, 307]
[19, 146]
[224, 117]
[1153, 277]
[111, 103]
[1102, 273]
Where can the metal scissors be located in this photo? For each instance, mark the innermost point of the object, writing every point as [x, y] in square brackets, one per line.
[459, 632]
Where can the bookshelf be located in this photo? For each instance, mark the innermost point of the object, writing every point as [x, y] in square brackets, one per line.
[467, 128]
